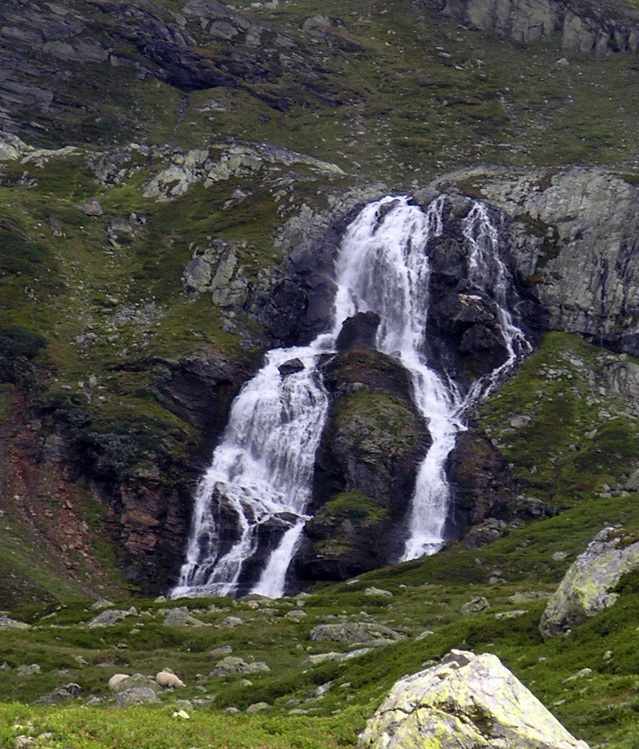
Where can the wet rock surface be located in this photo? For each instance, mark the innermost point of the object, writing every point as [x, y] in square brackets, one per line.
[365, 468]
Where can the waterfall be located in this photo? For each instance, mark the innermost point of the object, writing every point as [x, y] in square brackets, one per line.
[259, 482]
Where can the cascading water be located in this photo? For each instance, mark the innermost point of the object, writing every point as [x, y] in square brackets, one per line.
[261, 474]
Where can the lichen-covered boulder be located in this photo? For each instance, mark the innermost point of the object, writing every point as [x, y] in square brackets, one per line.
[586, 587]
[468, 701]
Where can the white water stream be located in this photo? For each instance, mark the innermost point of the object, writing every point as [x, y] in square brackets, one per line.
[261, 473]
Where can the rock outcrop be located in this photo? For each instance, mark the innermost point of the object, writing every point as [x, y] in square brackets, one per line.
[587, 587]
[583, 28]
[365, 468]
[467, 700]
[572, 238]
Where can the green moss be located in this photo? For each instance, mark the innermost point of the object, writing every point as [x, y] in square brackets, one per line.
[355, 506]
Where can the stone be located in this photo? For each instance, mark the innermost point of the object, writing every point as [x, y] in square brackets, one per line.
[222, 650]
[292, 366]
[100, 604]
[7, 622]
[181, 617]
[513, 614]
[296, 615]
[377, 593]
[231, 622]
[467, 700]
[136, 696]
[257, 707]
[358, 331]
[92, 208]
[474, 606]
[197, 275]
[316, 659]
[32, 670]
[586, 588]
[108, 618]
[68, 692]
[632, 484]
[370, 634]
[234, 665]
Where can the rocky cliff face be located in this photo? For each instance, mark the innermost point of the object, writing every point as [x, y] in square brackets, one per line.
[583, 28]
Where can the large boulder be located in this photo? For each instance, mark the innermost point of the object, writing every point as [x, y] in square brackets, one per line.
[586, 587]
[466, 701]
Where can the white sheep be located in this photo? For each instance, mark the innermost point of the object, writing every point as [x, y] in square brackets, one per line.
[168, 680]
[116, 679]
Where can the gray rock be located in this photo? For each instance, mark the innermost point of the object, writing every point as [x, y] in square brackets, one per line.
[136, 696]
[234, 665]
[586, 587]
[576, 233]
[378, 593]
[297, 615]
[197, 275]
[231, 622]
[92, 208]
[474, 606]
[370, 634]
[222, 650]
[466, 701]
[100, 604]
[107, 618]
[7, 622]
[314, 660]
[257, 707]
[582, 29]
[135, 681]
[67, 692]
[632, 484]
[32, 670]
[181, 617]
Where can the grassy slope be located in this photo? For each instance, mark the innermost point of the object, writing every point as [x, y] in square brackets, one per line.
[428, 594]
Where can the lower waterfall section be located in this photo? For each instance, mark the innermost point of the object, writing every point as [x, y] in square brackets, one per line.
[250, 506]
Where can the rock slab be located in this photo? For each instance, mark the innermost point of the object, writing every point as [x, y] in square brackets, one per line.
[466, 701]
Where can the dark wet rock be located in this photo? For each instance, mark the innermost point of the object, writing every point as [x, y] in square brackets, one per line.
[358, 331]
[292, 366]
[365, 468]
[67, 692]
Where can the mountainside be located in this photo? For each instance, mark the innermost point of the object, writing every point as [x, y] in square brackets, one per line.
[176, 179]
